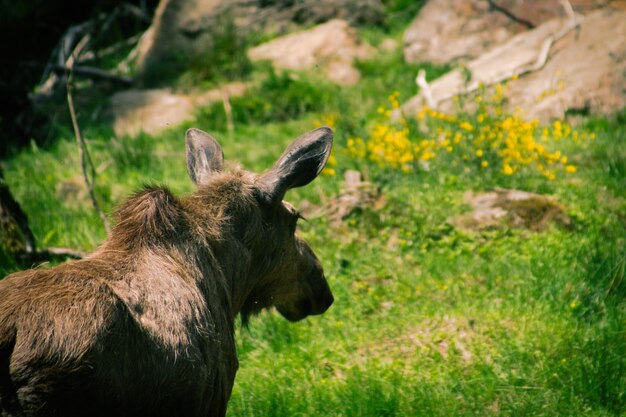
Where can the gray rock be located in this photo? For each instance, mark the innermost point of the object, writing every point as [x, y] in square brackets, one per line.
[584, 69]
[152, 111]
[460, 30]
[332, 46]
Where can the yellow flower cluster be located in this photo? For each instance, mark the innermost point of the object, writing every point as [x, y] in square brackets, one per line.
[391, 145]
[487, 137]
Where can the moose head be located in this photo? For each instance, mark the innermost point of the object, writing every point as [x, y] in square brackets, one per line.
[282, 269]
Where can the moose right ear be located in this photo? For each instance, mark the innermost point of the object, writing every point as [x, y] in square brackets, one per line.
[301, 162]
[204, 155]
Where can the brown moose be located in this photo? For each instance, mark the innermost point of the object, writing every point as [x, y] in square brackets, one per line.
[145, 325]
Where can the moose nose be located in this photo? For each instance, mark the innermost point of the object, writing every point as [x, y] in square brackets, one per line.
[323, 300]
[328, 299]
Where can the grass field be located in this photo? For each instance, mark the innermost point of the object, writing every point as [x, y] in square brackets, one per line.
[429, 319]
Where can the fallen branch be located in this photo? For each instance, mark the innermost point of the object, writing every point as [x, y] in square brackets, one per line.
[110, 50]
[569, 10]
[425, 87]
[93, 72]
[495, 6]
[51, 82]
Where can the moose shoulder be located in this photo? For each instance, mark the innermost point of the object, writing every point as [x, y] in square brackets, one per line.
[145, 325]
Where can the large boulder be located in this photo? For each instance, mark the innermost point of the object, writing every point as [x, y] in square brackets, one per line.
[185, 32]
[581, 68]
[333, 46]
[585, 72]
[460, 30]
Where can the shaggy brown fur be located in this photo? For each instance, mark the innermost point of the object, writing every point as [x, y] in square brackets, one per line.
[145, 325]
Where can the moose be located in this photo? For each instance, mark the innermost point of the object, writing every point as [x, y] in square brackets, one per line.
[145, 325]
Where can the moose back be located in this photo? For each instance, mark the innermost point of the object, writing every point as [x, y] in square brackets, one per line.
[145, 325]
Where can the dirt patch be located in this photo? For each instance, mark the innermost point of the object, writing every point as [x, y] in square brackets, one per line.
[357, 195]
[447, 336]
[510, 208]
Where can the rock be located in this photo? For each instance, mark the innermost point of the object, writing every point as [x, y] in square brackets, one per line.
[333, 45]
[586, 72]
[512, 208]
[585, 68]
[537, 12]
[460, 30]
[498, 64]
[449, 30]
[152, 111]
[185, 32]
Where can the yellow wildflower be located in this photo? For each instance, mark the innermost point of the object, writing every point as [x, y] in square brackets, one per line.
[466, 126]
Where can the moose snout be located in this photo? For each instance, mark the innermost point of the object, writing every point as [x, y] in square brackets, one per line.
[315, 298]
[323, 298]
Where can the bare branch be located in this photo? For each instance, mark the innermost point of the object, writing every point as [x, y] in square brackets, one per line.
[425, 87]
[94, 73]
[109, 50]
[569, 10]
[85, 159]
[495, 6]
[228, 110]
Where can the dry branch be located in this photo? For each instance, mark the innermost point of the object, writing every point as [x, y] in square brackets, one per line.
[93, 72]
[495, 6]
[228, 110]
[85, 159]
[425, 87]
[51, 82]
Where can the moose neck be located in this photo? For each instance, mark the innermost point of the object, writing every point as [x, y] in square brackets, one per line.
[210, 232]
[226, 220]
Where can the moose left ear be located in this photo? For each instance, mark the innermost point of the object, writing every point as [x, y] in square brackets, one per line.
[204, 155]
[301, 162]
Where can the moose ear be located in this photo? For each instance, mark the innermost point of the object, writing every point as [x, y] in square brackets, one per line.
[301, 162]
[204, 155]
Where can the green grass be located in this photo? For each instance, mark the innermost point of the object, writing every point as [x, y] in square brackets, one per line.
[429, 320]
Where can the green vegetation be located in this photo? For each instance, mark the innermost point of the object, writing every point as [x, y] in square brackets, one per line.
[429, 319]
